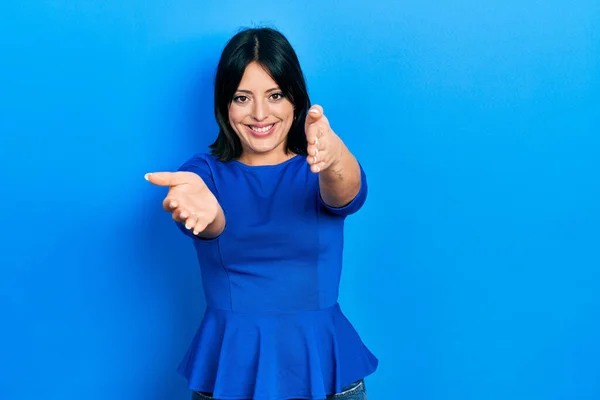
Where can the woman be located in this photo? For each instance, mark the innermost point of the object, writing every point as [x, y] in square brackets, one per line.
[266, 210]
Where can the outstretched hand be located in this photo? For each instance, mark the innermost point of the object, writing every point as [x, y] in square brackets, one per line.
[324, 146]
[189, 199]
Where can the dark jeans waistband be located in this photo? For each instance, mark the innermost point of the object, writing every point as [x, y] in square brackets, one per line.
[346, 392]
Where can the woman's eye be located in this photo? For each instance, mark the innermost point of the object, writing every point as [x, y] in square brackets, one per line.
[277, 96]
[240, 99]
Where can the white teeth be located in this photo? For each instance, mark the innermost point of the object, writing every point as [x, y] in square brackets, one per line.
[261, 130]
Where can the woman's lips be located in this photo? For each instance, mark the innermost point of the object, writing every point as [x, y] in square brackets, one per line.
[261, 130]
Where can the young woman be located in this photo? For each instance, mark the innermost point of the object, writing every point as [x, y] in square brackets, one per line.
[265, 210]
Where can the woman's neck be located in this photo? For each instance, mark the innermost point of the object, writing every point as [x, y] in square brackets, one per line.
[265, 159]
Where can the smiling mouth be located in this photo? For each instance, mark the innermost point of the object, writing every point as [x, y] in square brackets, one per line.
[261, 130]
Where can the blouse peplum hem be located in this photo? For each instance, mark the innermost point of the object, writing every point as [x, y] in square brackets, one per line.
[294, 355]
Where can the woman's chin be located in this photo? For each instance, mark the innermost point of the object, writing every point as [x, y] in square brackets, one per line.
[263, 150]
[264, 147]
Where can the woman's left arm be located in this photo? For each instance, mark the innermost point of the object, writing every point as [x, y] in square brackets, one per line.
[338, 169]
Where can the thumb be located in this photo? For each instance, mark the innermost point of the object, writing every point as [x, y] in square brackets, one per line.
[167, 178]
[314, 114]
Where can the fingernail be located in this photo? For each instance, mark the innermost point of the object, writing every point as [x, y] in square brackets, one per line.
[313, 110]
[147, 176]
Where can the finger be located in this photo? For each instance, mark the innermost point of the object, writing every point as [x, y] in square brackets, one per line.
[185, 213]
[184, 216]
[176, 215]
[167, 178]
[311, 135]
[317, 160]
[315, 134]
[313, 160]
[191, 219]
[318, 166]
[315, 113]
[170, 203]
[200, 226]
[314, 149]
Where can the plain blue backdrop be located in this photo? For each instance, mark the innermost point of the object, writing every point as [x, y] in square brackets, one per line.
[472, 272]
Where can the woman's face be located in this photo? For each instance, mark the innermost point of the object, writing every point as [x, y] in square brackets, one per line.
[261, 116]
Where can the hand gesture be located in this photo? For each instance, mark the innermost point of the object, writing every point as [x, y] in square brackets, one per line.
[324, 146]
[189, 199]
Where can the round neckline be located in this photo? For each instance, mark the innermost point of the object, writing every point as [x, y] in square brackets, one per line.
[267, 166]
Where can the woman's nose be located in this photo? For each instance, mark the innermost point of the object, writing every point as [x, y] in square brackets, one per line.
[260, 111]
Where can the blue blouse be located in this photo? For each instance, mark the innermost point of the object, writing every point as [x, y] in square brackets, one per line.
[273, 328]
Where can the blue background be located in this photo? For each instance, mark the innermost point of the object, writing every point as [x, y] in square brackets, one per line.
[472, 271]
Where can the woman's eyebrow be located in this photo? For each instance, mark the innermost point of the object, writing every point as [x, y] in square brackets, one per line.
[250, 92]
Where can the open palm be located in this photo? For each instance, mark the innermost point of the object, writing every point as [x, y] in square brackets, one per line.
[189, 199]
